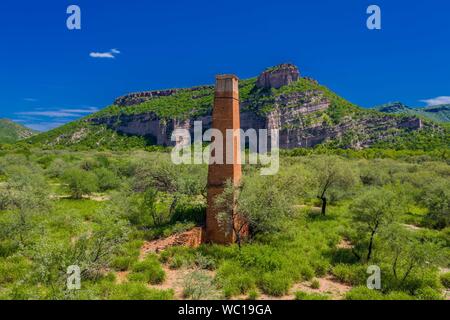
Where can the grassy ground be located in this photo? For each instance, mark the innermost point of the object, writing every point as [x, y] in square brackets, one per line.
[311, 257]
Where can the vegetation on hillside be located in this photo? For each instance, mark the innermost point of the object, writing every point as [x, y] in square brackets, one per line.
[83, 134]
[393, 212]
[438, 113]
[11, 132]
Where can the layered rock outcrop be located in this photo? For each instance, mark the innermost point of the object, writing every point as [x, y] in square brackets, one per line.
[134, 98]
[278, 76]
[299, 115]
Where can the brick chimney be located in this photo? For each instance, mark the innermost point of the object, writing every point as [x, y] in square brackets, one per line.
[225, 116]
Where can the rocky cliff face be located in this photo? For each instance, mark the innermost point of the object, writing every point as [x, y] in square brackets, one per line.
[278, 76]
[305, 113]
[135, 98]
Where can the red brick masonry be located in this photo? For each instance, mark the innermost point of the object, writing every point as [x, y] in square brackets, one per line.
[225, 116]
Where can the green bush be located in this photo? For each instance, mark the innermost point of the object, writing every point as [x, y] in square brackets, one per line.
[204, 262]
[122, 263]
[8, 247]
[351, 274]
[253, 295]
[80, 182]
[13, 269]
[234, 280]
[275, 284]
[150, 270]
[127, 255]
[300, 295]
[398, 295]
[363, 293]
[107, 180]
[138, 291]
[315, 284]
[177, 257]
[428, 293]
[198, 285]
[445, 280]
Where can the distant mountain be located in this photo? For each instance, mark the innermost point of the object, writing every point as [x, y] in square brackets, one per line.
[11, 132]
[439, 113]
[305, 112]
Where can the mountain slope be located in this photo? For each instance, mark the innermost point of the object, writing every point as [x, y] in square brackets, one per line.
[11, 132]
[439, 113]
[305, 113]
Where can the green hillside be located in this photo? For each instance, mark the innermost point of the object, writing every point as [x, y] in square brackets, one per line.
[357, 124]
[439, 113]
[11, 132]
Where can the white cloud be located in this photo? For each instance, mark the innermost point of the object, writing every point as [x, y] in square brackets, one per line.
[109, 55]
[437, 101]
[43, 119]
[30, 99]
[50, 114]
[101, 55]
[60, 113]
[87, 110]
[43, 126]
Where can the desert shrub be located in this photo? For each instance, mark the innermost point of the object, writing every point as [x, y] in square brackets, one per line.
[127, 255]
[234, 280]
[138, 291]
[445, 280]
[107, 179]
[351, 274]
[80, 182]
[57, 168]
[320, 267]
[363, 293]
[8, 247]
[275, 284]
[418, 280]
[13, 269]
[149, 269]
[428, 293]
[177, 257]
[122, 263]
[186, 211]
[253, 294]
[300, 295]
[398, 295]
[344, 256]
[204, 262]
[315, 284]
[306, 272]
[198, 285]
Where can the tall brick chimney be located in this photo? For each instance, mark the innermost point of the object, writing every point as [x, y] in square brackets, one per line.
[225, 116]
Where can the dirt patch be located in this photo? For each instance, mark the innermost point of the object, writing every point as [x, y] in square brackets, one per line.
[122, 276]
[94, 197]
[344, 244]
[191, 238]
[175, 280]
[98, 197]
[327, 285]
[412, 227]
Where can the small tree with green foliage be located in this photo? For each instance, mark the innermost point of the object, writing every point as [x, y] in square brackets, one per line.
[372, 212]
[80, 182]
[332, 177]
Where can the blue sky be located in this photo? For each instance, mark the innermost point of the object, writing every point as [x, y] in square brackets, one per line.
[48, 75]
